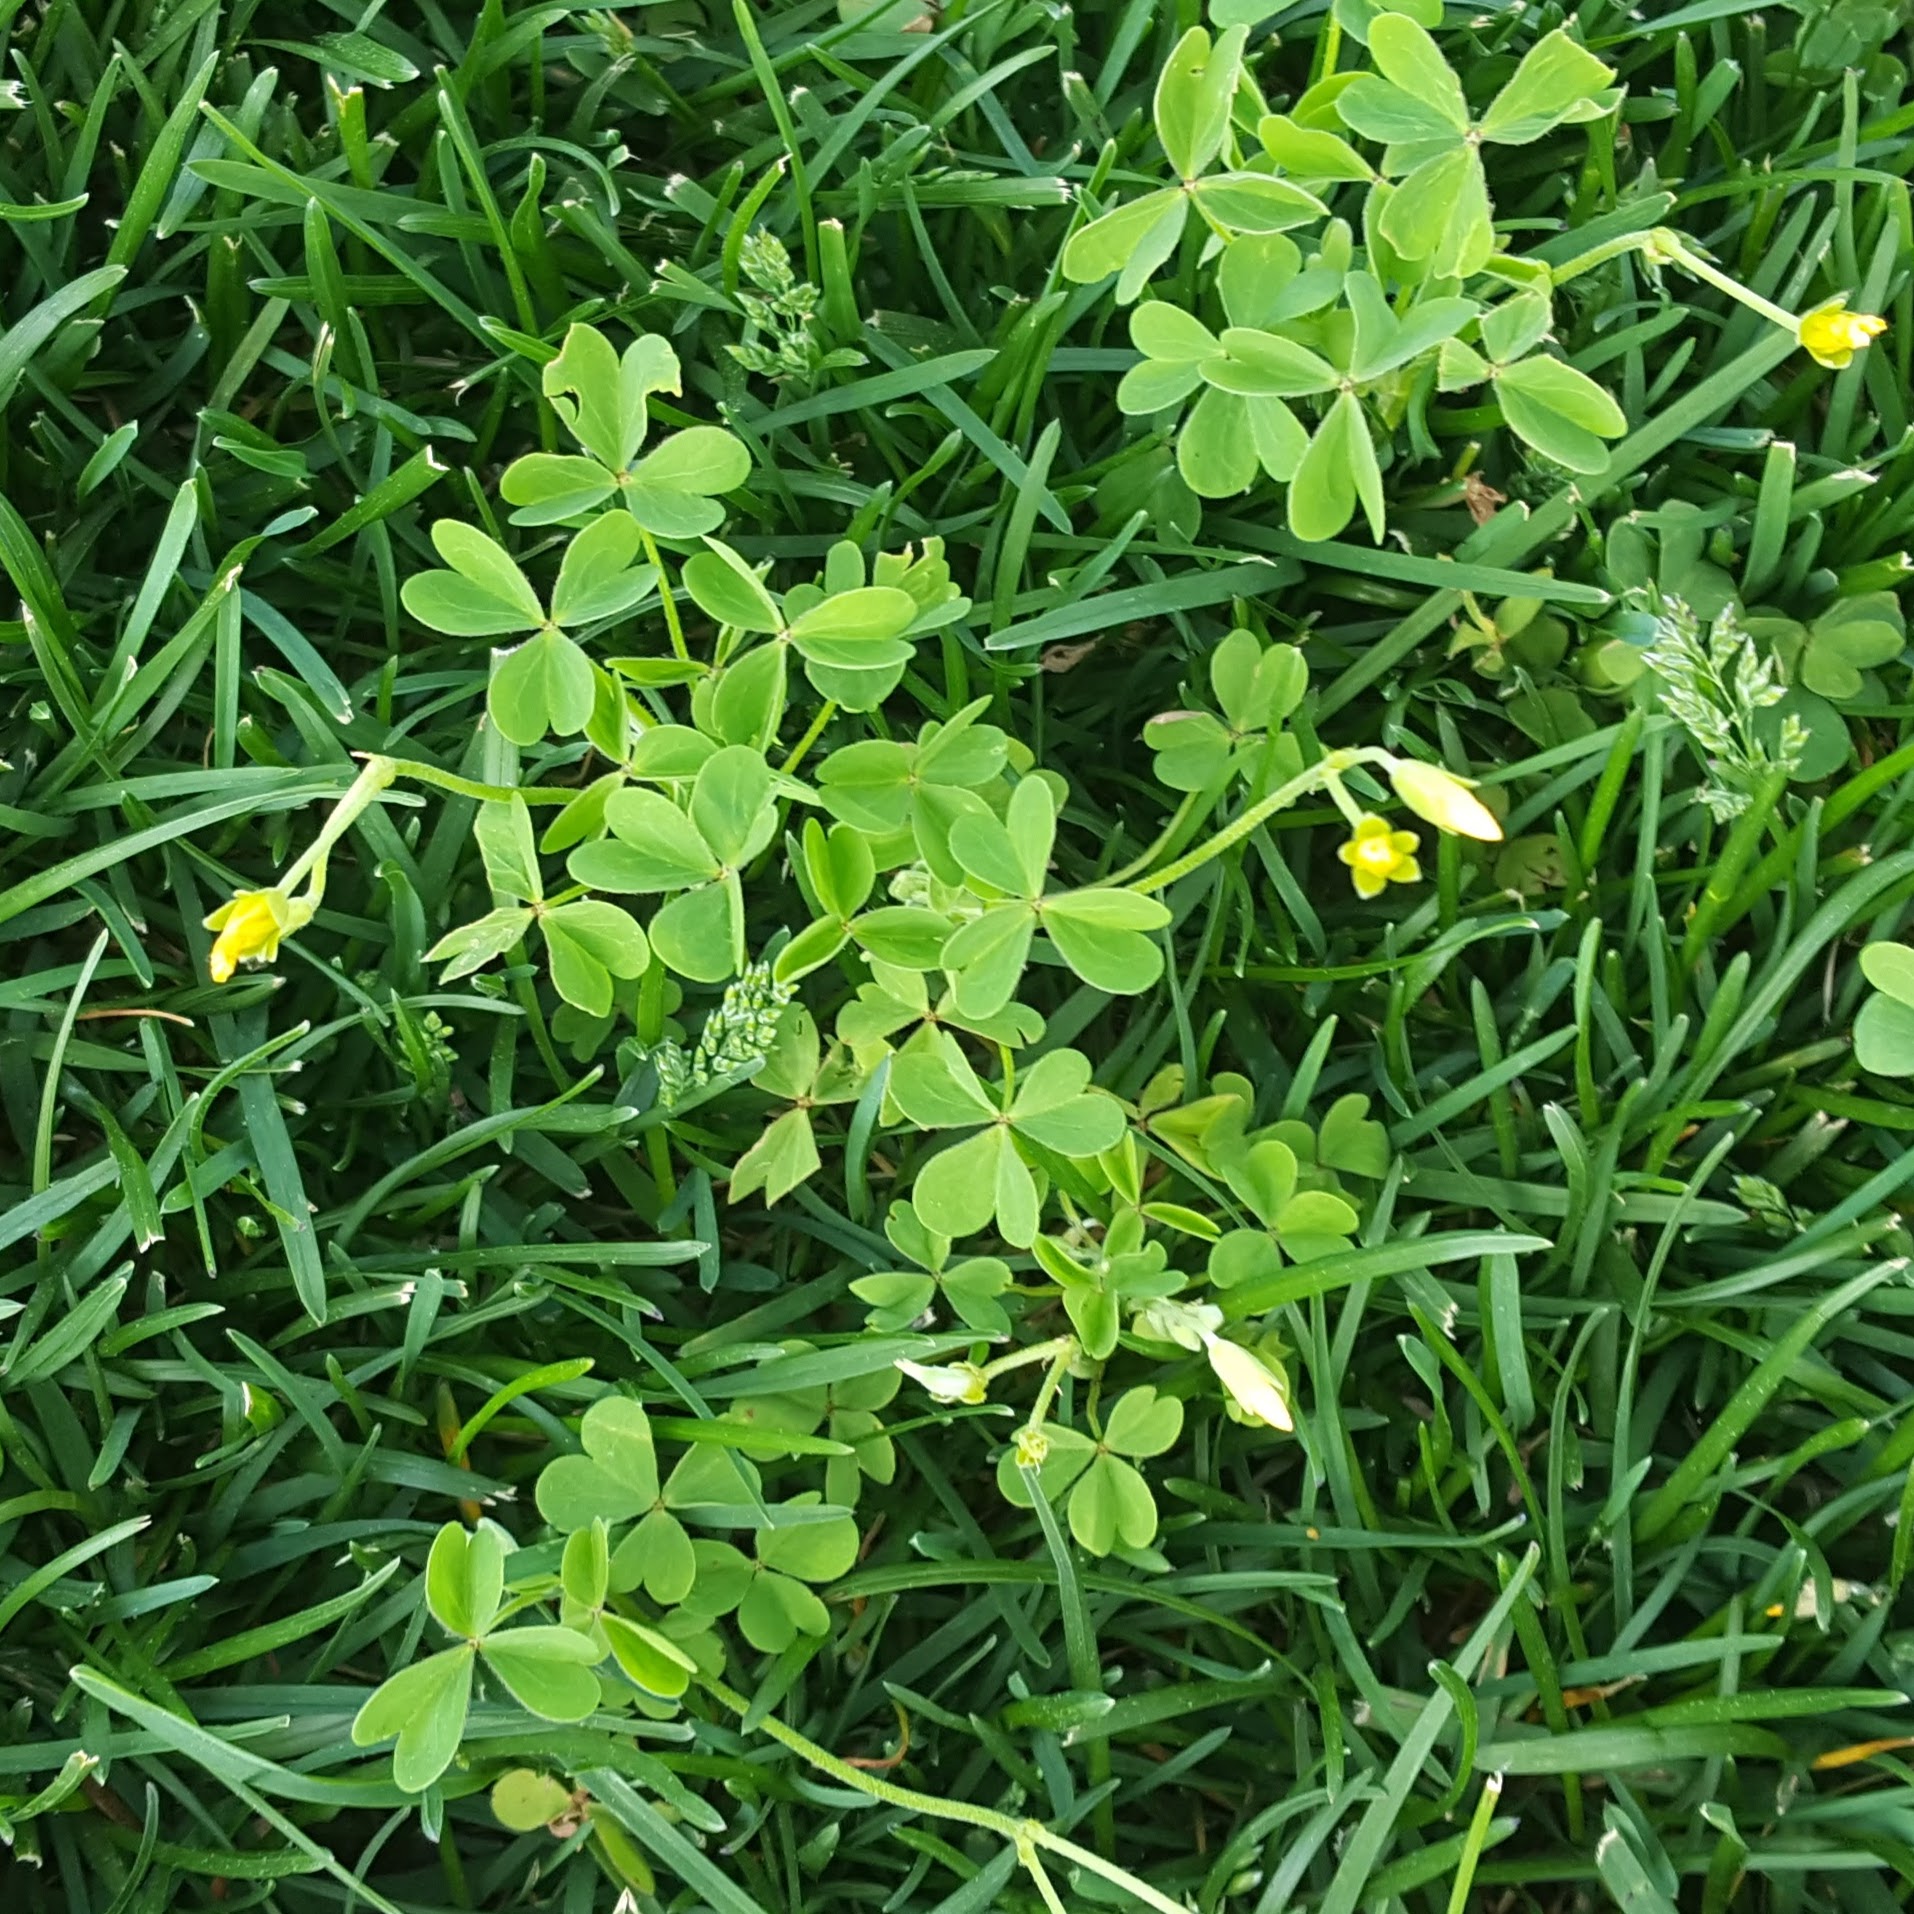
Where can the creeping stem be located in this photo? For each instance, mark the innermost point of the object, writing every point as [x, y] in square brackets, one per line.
[1025, 1836]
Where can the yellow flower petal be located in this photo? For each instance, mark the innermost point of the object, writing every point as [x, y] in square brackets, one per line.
[250, 928]
[1378, 857]
[1832, 336]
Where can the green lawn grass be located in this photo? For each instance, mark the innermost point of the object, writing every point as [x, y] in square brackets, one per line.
[1580, 1580]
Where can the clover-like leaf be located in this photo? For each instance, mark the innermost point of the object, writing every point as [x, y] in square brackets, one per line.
[654, 847]
[1069, 1452]
[551, 488]
[1409, 59]
[813, 1551]
[1559, 411]
[1192, 748]
[1010, 857]
[962, 1189]
[1264, 1176]
[724, 587]
[465, 1579]
[547, 1670]
[1852, 636]
[782, 1158]
[472, 946]
[1310, 152]
[598, 579]
[1132, 242]
[508, 849]
[700, 934]
[1890, 969]
[673, 492]
[588, 942]
[1143, 1423]
[732, 805]
[1516, 326]
[1306, 1223]
[1250, 203]
[584, 1573]
[1110, 1505]
[616, 1477]
[1884, 1037]
[1349, 1141]
[1100, 934]
[655, 1662]
[602, 395]
[1337, 471]
[524, 1800]
[1556, 77]
[425, 1707]
[657, 1555]
[482, 595]
[776, 1610]
[544, 685]
[1055, 1107]
[1193, 94]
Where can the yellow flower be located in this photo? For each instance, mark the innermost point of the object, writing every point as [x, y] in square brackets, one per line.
[1443, 799]
[1378, 857]
[1832, 336]
[250, 929]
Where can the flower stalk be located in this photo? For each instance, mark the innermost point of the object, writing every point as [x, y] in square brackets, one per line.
[1027, 1837]
[251, 925]
[1830, 335]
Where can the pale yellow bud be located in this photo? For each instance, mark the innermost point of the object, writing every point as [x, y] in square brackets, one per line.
[1253, 1386]
[1443, 799]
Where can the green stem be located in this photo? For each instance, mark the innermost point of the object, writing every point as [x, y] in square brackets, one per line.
[1179, 819]
[1328, 49]
[1671, 246]
[1025, 1836]
[1762, 814]
[801, 750]
[658, 1154]
[665, 597]
[1351, 810]
[1062, 1353]
[1033, 1866]
[376, 776]
[430, 774]
[364, 791]
[1472, 1844]
[1233, 833]
[1597, 256]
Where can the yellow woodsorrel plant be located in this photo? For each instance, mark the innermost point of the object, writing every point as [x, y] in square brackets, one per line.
[866, 908]
[695, 1229]
[1329, 291]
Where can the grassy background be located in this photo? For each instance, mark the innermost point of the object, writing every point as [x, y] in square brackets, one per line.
[264, 278]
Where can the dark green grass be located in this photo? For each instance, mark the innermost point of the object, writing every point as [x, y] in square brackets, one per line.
[278, 331]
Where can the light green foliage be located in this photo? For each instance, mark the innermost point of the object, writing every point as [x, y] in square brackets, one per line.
[541, 1667]
[970, 1289]
[1884, 1029]
[1315, 352]
[989, 1177]
[783, 312]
